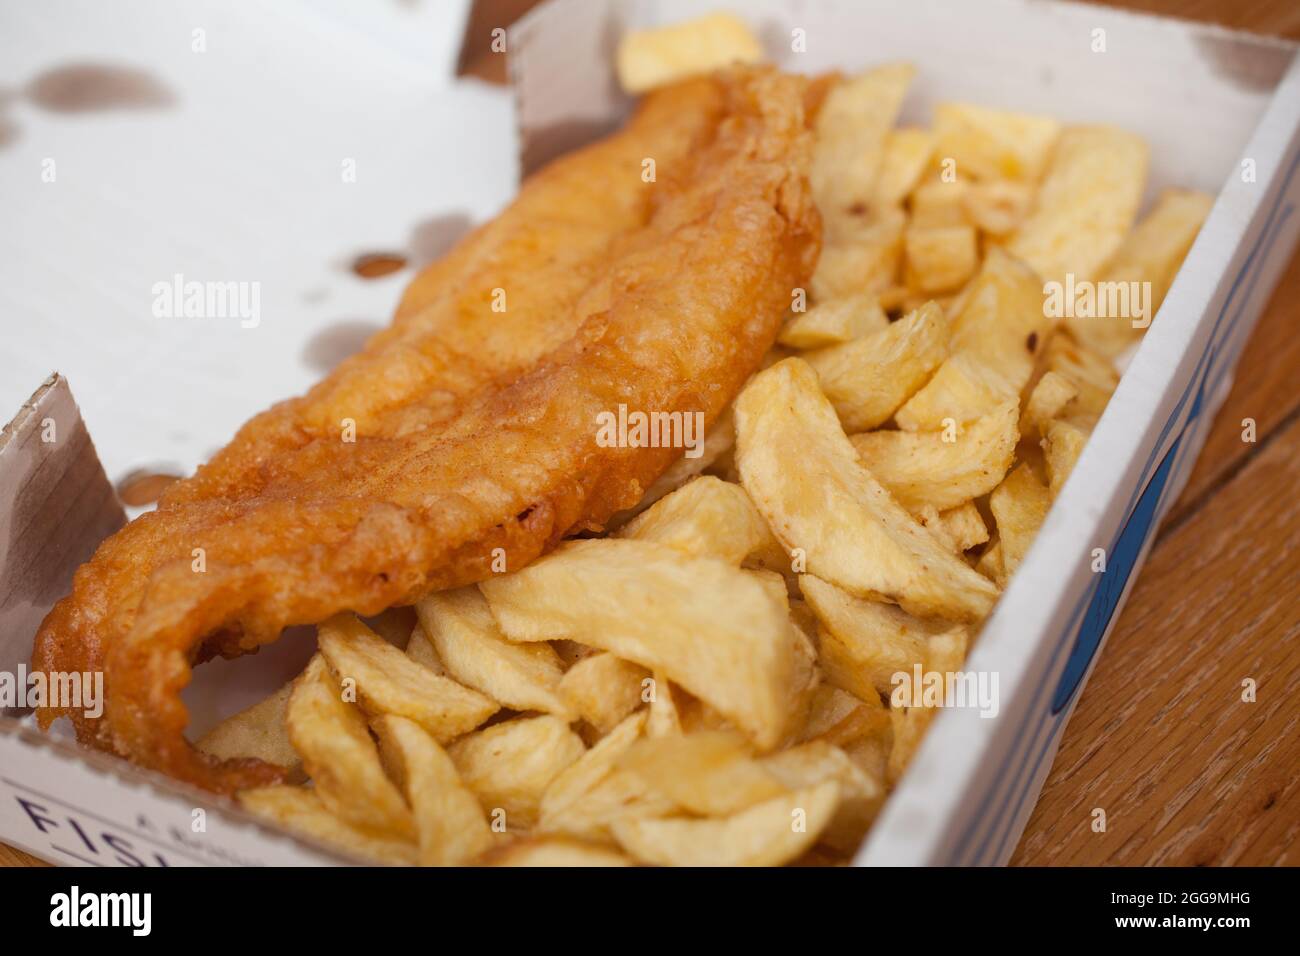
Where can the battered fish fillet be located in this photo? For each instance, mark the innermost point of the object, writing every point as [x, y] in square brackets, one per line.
[475, 429]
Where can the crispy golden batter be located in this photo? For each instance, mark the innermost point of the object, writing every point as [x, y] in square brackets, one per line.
[475, 429]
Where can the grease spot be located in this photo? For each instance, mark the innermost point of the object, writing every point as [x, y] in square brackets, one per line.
[93, 87]
[144, 486]
[376, 265]
[335, 342]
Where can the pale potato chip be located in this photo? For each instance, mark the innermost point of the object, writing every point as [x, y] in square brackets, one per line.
[619, 795]
[665, 719]
[907, 154]
[852, 128]
[581, 777]
[864, 643]
[302, 811]
[943, 469]
[944, 654]
[997, 207]
[708, 626]
[420, 649]
[1062, 445]
[449, 823]
[939, 258]
[1152, 253]
[961, 528]
[1093, 377]
[603, 689]
[556, 851]
[1049, 398]
[863, 255]
[1019, 506]
[472, 648]
[709, 773]
[861, 794]
[939, 203]
[767, 834]
[825, 503]
[510, 765]
[648, 59]
[866, 380]
[338, 754]
[393, 625]
[834, 322]
[994, 144]
[707, 517]
[995, 340]
[990, 563]
[840, 718]
[389, 682]
[1086, 205]
[259, 731]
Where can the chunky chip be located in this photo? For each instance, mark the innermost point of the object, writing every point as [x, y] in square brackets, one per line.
[939, 258]
[259, 731]
[713, 628]
[1019, 506]
[471, 647]
[304, 812]
[603, 689]
[706, 517]
[990, 144]
[834, 322]
[334, 742]
[449, 822]
[647, 59]
[832, 509]
[767, 834]
[387, 681]
[711, 773]
[942, 469]
[866, 380]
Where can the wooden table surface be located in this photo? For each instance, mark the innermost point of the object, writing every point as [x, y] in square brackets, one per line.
[1187, 772]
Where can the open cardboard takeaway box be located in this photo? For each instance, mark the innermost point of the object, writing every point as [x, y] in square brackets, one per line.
[1221, 111]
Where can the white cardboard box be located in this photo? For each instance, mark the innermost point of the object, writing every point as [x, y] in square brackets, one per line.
[1207, 100]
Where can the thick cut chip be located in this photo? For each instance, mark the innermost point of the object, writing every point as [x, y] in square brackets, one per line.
[994, 144]
[511, 764]
[961, 528]
[665, 718]
[852, 130]
[582, 776]
[940, 258]
[471, 647]
[997, 207]
[718, 444]
[1062, 446]
[603, 689]
[711, 773]
[556, 851]
[944, 654]
[938, 203]
[708, 626]
[1049, 398]
[1019, 506]
[767, 834]
[303, 812]
[862, 255]
[420, 649]
[946, 468]
[1152, 253]
[804, 476]
[338, 754]
[259, 731]
[1093, 377]
[449, 823]
[995, 339]
[907, 154]
[867, 379]
[835, 322]
[707, 517]
[861, 793]
[864, 643]
[840, 718]
[648, 59]
[389, 682]
[1086, 205]
[394, 625]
